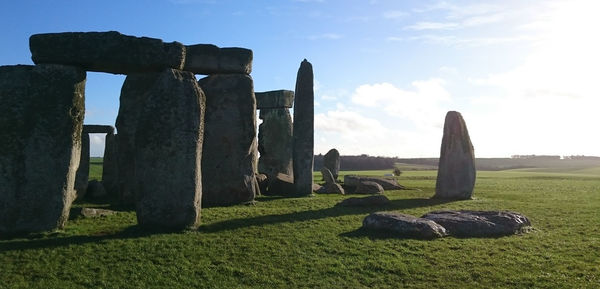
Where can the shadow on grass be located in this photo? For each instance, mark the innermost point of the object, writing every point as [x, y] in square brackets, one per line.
[377, 235]
[46, 240]
[317, 214]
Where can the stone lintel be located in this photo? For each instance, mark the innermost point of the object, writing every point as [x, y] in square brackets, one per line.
[97, 128]
[210, 59]
[274, 99]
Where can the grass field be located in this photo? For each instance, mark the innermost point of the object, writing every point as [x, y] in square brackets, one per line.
[309, 243]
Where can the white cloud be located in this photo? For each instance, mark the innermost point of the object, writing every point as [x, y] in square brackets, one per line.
[422, 105]
[97, 144]
[425, 25]
[395, 14]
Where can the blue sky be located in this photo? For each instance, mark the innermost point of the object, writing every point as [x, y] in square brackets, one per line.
[524, 74]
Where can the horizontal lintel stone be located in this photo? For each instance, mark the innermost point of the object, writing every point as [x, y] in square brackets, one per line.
[109, 51]
[97, 128]
[210, 59]
[274, 99]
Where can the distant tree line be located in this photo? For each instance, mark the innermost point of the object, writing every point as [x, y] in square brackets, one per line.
[360, 163]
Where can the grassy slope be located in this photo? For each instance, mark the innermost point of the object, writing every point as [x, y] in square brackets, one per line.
[306, 242]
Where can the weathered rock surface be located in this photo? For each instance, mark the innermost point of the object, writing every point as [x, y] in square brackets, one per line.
[168, 151]
[95, 213]
[303, 128]
[274, 99]
[83, 171]
[109, 51]
[110, 166]
[210, 59]
[331, 160]
[479, 223]
[370, 201]
[456, 170]
[95, 189]
[368, 187]
[229, 155]
[133, 96]
[281, 185]
[386, 183]
[263, 181]
[404, 226]
[98, 128]
[275, 142]
[330, 186]
[327, 176]
[41, 118]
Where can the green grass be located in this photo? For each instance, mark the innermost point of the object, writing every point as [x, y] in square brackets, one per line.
[309, 243]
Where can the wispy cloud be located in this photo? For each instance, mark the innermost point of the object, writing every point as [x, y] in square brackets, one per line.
[328, 36]
[424, 25]
[395, 14]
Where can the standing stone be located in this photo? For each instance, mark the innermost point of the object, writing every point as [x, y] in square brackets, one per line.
[229, 154]
[110, 167]
[456, 171]
[106, 51]
[275, 142]
[331, 161]
[168, 151]
[303, 140]
[83, 171]
[41, 118]
[133, 94]
[330, 186]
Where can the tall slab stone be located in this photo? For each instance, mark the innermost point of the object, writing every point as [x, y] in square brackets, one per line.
[83, 171]
[41, 118]
[331, 160]
[303, 140]
[275, 142]
[106, 51]
[110, 166]
[456, 171]
[229, 153]
[133, 95]
[168, 151]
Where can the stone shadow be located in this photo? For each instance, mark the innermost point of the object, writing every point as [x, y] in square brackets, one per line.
[318, 214]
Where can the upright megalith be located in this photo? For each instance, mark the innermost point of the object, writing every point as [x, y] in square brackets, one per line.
[229, 152]
[275, 132]
[41, 118]
[331, 160]
[168, 151]
[109, 51]
[303, 139]
[456, 171]
[210, 59]
[133, 94]
[83, 171]
[110, 167]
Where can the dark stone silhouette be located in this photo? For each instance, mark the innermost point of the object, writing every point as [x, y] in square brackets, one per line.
[303, 138]
[110, 166]
[41, 119]
[456, 171]
[404, 226]
[83, 171]
[275, 142]
[480, 223]
[168, 151]
[331, 161]
[282, 185]
[98, 128]
[210, 59]
[95, 189]
[109, 51]
[229, 153]
[274, 99]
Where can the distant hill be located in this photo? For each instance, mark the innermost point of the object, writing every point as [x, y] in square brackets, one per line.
[366, 162]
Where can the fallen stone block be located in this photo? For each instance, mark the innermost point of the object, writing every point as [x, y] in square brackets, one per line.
[370, 201]
[404, 226]
[479, 223]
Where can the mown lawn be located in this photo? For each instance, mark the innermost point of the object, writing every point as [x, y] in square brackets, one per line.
[309, 243]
